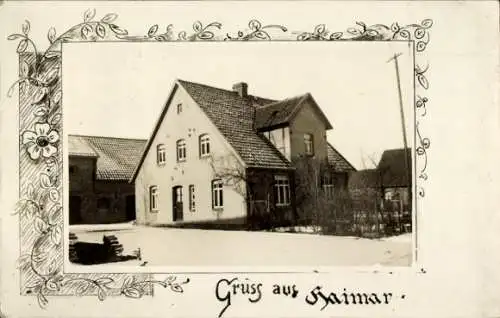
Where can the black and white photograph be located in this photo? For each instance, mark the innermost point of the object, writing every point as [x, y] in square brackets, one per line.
[267, 154]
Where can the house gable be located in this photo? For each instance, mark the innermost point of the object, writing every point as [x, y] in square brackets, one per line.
[196, 171]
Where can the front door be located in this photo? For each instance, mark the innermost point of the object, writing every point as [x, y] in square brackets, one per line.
[130, 207]
[177, 203]
[75, 206]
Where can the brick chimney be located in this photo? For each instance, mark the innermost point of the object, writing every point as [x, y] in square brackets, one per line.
[241, 88]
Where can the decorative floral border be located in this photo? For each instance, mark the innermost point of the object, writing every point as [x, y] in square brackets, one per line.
[40, 205]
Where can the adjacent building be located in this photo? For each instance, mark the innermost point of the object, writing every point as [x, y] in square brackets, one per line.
[99, 172]
[227, 156]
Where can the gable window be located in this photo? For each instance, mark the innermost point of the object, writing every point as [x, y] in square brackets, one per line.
[161, 154]
[179, 108]
[192, 201]
[328, 188]
[217, 194]
[181, 150]
[282, 190]
[153, 198]
[204, 145]
[308, 143]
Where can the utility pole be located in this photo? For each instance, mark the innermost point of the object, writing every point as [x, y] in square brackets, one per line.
[407, 163]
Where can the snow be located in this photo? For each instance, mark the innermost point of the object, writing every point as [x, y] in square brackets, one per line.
[192, 247]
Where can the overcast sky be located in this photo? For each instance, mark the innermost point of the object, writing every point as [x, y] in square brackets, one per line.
[119, 89]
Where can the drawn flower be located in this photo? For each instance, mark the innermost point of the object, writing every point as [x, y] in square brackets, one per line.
[40, 141]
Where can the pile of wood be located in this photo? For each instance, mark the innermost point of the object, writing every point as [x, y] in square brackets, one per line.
[114, 248]
[73, 255]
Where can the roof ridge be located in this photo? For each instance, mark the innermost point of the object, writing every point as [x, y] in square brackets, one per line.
[284, 100]
[108, 137]
[181, 81]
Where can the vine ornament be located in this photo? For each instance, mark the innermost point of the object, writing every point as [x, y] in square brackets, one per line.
[40, 207]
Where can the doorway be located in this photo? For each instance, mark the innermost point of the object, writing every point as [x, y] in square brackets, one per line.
[177, 207]
[75, 207]
[130, 207]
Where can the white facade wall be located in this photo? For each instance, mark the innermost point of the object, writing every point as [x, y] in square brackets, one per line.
[188, 125]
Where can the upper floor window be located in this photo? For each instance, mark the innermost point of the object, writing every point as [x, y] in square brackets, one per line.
[179, 108]
[161, 154]
[204, 145]
[282, 190]
[181, 150]
[153, 198]
[308, 143]
[192, 198]
[217, 194]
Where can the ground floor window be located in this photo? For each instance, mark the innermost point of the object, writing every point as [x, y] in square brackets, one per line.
[282, 190]
[217, 194]
[192, 198]
[328, 188]
[153, 198]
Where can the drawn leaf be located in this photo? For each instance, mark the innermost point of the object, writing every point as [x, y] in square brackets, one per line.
[30, 191]
[336, 35]
[262, 35]
[395, 27]
[427, 23]
[54, 195]
[51, 34]
[152, 30]
[88, 15]
[39, 257]
[56, 98]
[360, 23]
[423, 81]
[319, 29]
[100, 30]
[218, 25]
[56, 119]
[421, 46]
[26, 27]
[40, 225]
[303, 37]
[55, 235]
[52, 265]
[45, 181]
[39, 95]
[25, 69]
[51, 54]
[14, 37]
[104, 281]
[21, 47]
[353, 31]
[206, 35]
[42, 300]
[128, 282]
[101, 294]
[132, 292]
[117, 30]
[197, 26]
[55, 214]
[110, 17]
[41, 111]
[182, 35]
[176, 288]
[84, 286]
[372, 32]
[86, 30]
[254, 25]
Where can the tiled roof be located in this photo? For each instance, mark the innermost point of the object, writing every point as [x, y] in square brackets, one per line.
[116, 157]
[338, 161]
[79, 146]
[278, 112]
[234, 117]
[393, 167]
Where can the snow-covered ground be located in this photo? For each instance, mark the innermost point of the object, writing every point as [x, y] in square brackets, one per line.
[191, 247]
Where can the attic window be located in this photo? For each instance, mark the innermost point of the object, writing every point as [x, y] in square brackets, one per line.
[308, 143]
[179, 108]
